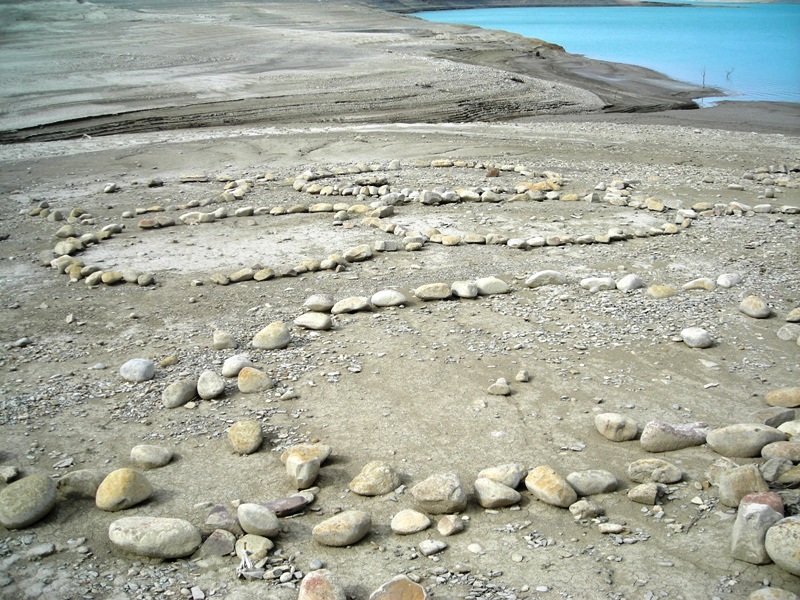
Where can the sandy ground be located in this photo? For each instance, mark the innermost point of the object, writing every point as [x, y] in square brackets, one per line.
[405, 385]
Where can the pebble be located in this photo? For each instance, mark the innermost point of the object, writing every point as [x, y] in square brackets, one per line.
[433, 291]
[703, 283]
[257, 547]
[450, 525]
[245, 436]
[789, 332]
[315, 321]
[749, 533]
[493, 494]
[431, 547]
[399, 588]
[783, 544]
[500, 388]
[344, 529]
[440, 494]
[654, 470]
[375, 479]
[658, 436]
[550, 487]
[148, 456]
[542, 278]
[385, 298]
[409, 521]
[788, 397]
[252, 381]
[756, 307]
[303, 463]
[490, 286]
[743, 439]
[179, 393]
[319, 303]
[155, 537]
[81, 484]
[137, 370]
[234, 365]
[737, 482]
[696, 337]
[510, 474]
[321, 584]
[122, 489]
[352, 304]
[210, 385]
[27, 501]
[592, 482]
[274, 336]
[223, 340]
[597, 284]
[8, 473]
[790, 428]
[616, 427]
[258, 520]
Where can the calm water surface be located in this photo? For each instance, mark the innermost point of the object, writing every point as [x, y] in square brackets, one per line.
[752, 51]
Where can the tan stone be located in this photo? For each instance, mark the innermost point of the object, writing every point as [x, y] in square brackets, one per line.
[122, 489]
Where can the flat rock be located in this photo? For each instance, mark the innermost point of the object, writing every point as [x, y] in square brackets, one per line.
[696, 337]
[258, 520]
[210, 385]
[155, 537]
[788, 397]
[755, 307]
[179, 393]
[542, 278]
[218, 543]
[658, 436]
[149, 456]
[286, 507]
[616, 427]
[655, 470]
[440, 494]
[774, 416]
[597, 284]
[433, 291]
[252, 381]
[586, 509]
[743, 439]
[431, 547]
[274, 336]
[351, 304]
[315, 321]
[122, 489]
[736, 483]
[399, 588]
[27, 501]
[550, 487]
[385, 298]
[593, 481]
[343, 529]
[321, 585]
[659, 292]
[137, 370]
[493, 494]
[375, 479]
[409, 521]
[510, 474]
[728, 280]
[245, 437]
[783, 544]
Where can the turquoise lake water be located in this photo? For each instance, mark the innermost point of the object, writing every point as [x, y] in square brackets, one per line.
[752, 51]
